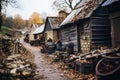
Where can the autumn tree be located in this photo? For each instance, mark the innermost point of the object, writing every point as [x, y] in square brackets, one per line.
[35, 19]
[4, 3]
[18, 22]
[66, 4]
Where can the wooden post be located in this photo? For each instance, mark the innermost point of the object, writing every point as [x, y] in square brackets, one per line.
[112, 34]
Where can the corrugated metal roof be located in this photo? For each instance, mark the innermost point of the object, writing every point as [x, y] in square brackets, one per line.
[84, 11]
[69, 18]
[108, 2]
[39, 30]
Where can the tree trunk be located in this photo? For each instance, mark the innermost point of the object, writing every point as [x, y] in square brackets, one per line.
[0, 15]
[0, 22]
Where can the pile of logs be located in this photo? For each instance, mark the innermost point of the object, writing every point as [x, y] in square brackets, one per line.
[15, 66]
[104, 62]
[99, 53]
[10, 46]
[7, 45]
[16, 62]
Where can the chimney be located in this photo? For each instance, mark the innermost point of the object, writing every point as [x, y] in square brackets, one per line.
[62, 13]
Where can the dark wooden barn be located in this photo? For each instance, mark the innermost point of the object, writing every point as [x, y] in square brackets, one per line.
[88, 27]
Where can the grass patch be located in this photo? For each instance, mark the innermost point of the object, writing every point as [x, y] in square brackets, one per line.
[4, 29]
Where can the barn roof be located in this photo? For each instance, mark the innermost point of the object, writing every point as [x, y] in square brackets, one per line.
[39, 30]
[54, 22]
[108, 2]
[84, 10]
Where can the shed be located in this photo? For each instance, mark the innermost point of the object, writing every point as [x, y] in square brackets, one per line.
[52, 29]
[88, 26]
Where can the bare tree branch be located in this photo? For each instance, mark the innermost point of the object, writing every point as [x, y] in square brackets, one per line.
[71, 4]
[3, 3]
[77, 4]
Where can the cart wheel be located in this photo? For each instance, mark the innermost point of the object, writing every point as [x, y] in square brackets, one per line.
[107, 66]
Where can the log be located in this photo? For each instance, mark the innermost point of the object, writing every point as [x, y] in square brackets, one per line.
[100, 54]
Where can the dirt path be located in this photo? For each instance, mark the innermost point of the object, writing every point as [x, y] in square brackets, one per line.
[45, 71]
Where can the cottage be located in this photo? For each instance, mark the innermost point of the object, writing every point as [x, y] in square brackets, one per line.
[39, 34]
[88, 26]
[52, 29]
[31, 36]
[38, 31]
[114, 11]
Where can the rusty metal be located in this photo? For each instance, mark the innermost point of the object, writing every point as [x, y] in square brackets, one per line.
[107, 66]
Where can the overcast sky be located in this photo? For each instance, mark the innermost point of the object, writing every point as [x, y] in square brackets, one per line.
[27, 7]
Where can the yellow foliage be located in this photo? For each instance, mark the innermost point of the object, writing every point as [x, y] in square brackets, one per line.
[18, 21]
[35, 19]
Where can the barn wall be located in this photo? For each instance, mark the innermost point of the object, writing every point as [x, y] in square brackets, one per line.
[114, 11]
[95, 31]
[69, 35]
[100, 28]
[115, 26]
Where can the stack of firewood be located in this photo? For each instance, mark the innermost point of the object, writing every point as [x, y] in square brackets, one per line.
[15, 67]
[16, 62]
[10, 46]
[7, 45]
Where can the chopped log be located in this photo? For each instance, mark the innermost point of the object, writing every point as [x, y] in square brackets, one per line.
[96, 53]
